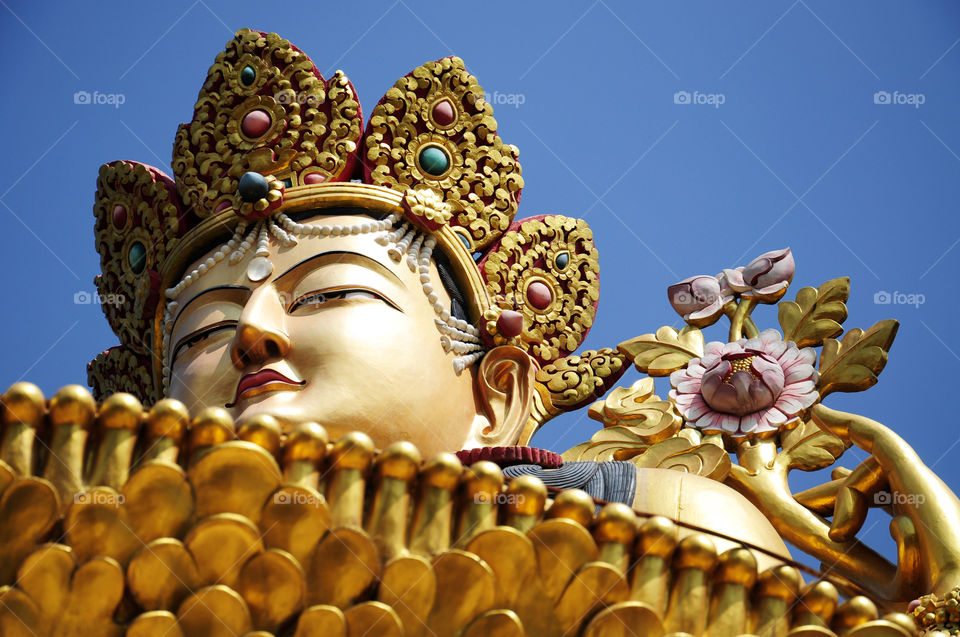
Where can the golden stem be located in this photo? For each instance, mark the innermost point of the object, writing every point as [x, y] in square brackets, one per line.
[743, 313]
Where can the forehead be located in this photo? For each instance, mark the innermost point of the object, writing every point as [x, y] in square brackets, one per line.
[284, 258]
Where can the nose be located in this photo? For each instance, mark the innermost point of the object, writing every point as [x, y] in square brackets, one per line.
[261, 336]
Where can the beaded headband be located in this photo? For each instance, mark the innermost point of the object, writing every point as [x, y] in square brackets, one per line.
[271, 137]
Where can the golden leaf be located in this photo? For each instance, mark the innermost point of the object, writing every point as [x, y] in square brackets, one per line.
[638, 407]
[664, 352]
[679, 454]
[854, 363]
[816, 314]
[808, 448]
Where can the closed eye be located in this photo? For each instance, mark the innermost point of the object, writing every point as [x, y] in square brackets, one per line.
[200, 335]
[318, 298]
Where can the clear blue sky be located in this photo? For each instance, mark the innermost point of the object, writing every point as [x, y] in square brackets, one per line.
[798, 154]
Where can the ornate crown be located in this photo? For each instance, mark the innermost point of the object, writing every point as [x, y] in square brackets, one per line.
[270, 137]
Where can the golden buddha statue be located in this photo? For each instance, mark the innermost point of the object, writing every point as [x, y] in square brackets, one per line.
[302, 279]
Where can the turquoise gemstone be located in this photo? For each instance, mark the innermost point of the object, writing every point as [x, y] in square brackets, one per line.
[247, 75]
[562, 260]
[137, 257]
[434, 160]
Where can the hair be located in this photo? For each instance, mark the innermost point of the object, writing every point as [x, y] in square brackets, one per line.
[457, 302]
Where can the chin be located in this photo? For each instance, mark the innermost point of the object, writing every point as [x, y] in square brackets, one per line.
[288, 407]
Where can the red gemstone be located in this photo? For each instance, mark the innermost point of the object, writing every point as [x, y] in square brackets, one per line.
[539, 295]
[222, 206]
[444, 113]
[510, 323]
[255, 123]
[119, 216]
[314, 178]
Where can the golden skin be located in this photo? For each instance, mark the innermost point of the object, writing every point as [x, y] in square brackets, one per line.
[376, 365]
[368, 363]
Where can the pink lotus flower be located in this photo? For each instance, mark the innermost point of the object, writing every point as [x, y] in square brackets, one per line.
[700, 299]
[751, 386]
[764, 279]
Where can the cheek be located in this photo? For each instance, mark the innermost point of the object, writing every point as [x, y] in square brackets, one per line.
[207, 377]
[381, 340]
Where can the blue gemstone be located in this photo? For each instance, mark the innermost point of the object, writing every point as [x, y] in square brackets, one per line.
[247, 75]
[137, 257]
[562, 260]
[253, 187]
[434, 160]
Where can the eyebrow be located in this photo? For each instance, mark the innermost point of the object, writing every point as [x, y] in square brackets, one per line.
[345, 256]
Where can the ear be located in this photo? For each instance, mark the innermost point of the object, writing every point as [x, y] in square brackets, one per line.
[503, 386]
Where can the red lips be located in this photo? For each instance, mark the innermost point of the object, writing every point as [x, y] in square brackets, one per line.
[261, 380]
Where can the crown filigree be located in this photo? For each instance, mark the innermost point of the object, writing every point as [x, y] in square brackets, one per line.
[271, 136]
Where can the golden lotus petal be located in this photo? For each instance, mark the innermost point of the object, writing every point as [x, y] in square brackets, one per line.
[466, 587]
[158, 500]
[97, 525]
[625, 619]
[373, 618]
[496, 623]
[155, 623]
[509, 553]
[45, 577]
[19, 616]
[321, 621]
[409, 586]
[272, 584]
[234, 477]
[215, 611]
[220, 545]
[342, 568]
[562, 547]
[295, 519]
[597, 584]
[811, 631]
[534, 607]
[161, 574]
[72, 601]
[879, 628]
[28, 510]
[95, 592]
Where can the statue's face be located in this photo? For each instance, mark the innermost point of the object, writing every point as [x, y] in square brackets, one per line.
[338, 334]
